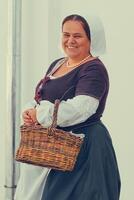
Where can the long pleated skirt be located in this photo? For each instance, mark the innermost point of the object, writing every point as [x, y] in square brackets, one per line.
[95, 176]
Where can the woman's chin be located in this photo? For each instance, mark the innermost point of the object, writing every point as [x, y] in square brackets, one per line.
[72, 55]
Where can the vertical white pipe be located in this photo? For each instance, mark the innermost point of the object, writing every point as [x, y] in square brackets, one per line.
[13, 94]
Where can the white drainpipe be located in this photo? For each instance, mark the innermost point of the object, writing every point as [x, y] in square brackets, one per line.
[13, 96]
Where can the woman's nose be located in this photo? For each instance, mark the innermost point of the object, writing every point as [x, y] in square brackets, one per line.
[71, 40]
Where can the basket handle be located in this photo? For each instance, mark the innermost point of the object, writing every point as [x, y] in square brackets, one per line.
[54, 118]
[56, 106]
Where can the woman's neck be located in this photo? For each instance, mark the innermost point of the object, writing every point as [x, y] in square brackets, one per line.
[75, 61]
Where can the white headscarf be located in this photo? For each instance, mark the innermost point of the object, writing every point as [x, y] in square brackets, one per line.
[98, 41]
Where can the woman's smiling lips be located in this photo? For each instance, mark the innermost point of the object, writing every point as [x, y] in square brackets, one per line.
[71, 47]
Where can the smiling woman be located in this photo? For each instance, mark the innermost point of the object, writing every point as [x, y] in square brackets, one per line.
[76, 45]
[75, 42]
[81, 82]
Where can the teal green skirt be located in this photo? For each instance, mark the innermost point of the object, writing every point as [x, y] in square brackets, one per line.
[95, 176]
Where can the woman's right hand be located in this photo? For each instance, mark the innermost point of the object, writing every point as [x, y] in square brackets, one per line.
[27, 118]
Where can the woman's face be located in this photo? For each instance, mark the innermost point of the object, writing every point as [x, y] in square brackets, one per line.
[75, 42]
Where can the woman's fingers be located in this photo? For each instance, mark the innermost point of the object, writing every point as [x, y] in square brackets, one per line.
[32, 114]
[28, 120]
[26, 117]
[29, 116]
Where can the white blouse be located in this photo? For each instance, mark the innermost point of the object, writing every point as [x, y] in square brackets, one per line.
[70, 112]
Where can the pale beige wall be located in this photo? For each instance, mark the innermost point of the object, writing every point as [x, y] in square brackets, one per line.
[34, 45]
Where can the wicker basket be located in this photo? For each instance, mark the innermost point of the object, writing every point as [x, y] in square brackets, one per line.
[49, 147]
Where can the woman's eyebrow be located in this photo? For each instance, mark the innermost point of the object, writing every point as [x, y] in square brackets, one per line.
[72, 33]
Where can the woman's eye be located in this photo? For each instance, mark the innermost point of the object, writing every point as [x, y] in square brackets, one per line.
[65, 35]
[74, 36]
[77, 36]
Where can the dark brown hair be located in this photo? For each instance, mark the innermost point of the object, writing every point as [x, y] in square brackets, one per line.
[82, 20]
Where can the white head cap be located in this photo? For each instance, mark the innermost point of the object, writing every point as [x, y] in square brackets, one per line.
[98, 41]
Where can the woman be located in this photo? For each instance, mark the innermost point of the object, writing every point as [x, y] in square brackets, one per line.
[81, 81]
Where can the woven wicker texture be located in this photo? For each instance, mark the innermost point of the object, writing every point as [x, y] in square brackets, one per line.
[48, 147]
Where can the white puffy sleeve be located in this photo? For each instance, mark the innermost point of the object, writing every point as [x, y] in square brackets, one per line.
[71, 112]
[31, 104]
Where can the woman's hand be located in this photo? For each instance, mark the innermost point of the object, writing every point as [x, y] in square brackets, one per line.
[29, 116]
